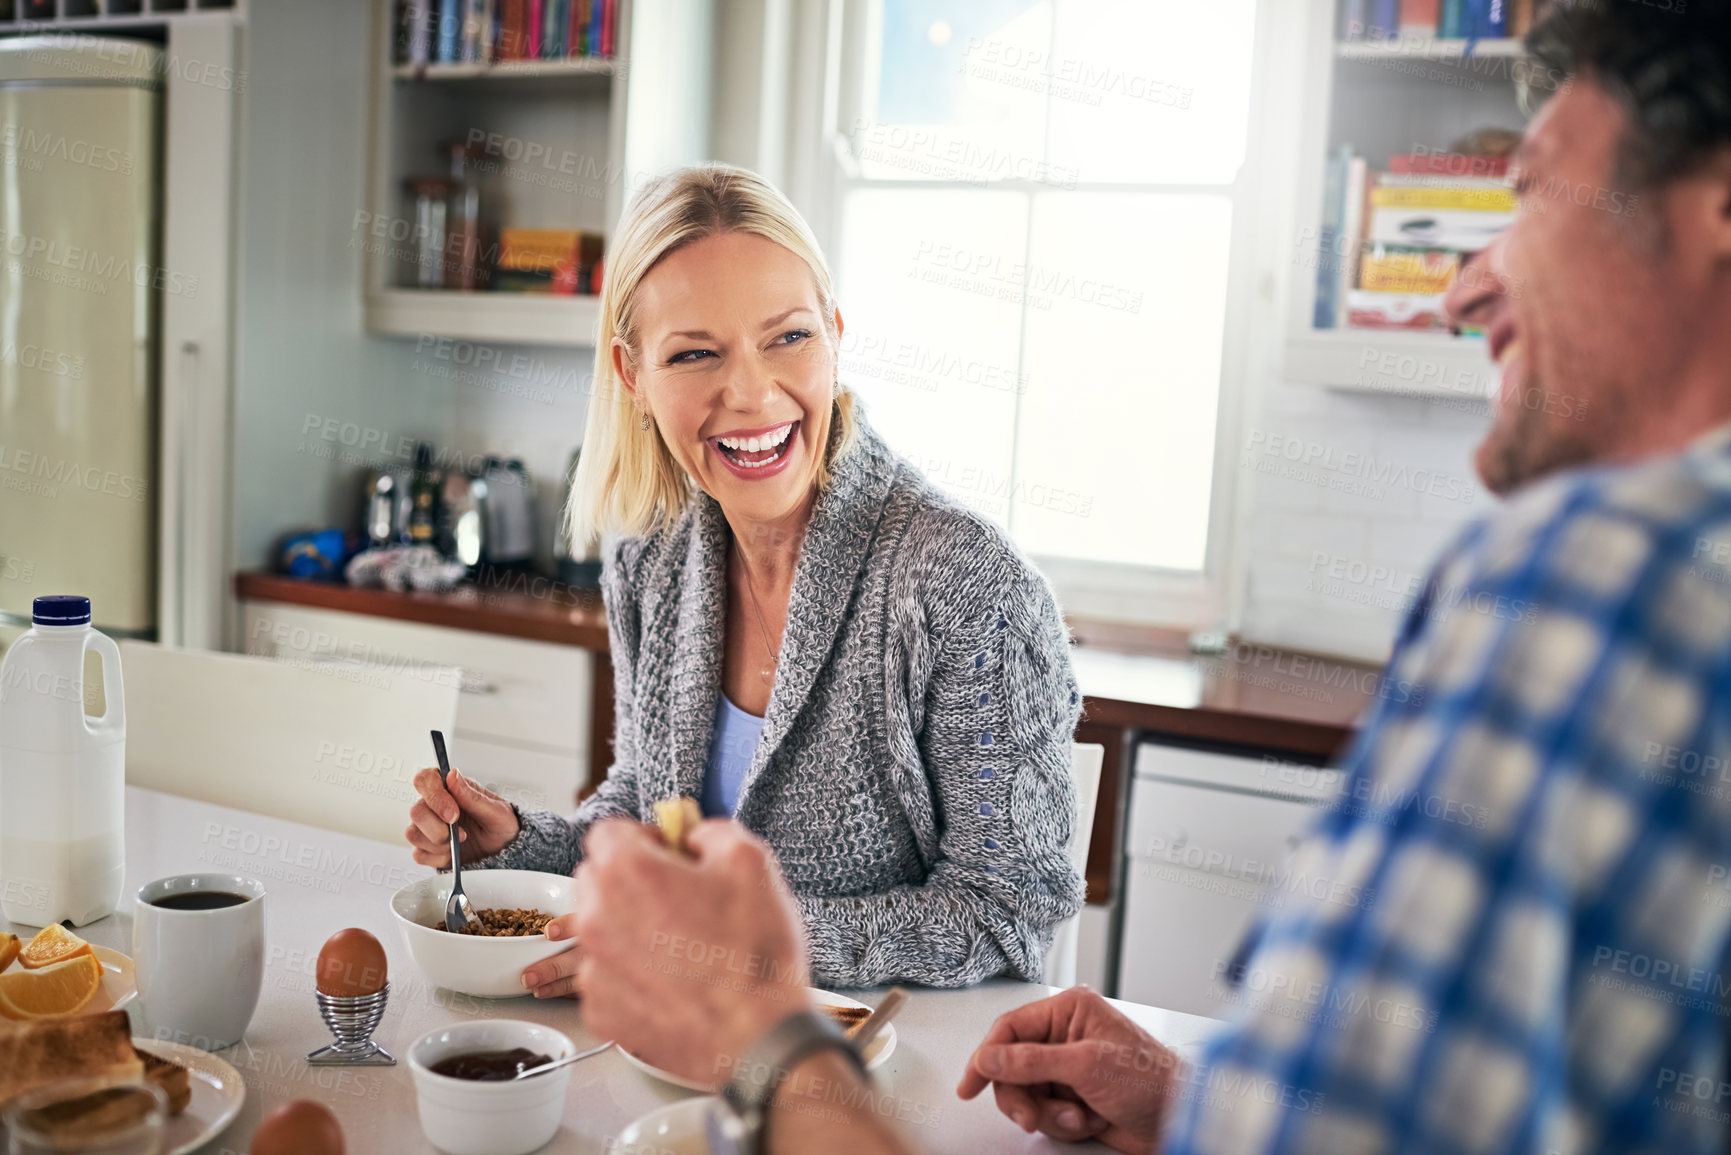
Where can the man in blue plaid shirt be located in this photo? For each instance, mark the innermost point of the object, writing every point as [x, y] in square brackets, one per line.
[1522, 942]
[1545, 823]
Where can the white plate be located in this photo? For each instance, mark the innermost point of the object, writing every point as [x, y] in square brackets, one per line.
[677, 1129]
[217, 1094]
[119, 982]
[877, 1054]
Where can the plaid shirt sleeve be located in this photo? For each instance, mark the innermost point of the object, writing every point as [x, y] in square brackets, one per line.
[1522, 942]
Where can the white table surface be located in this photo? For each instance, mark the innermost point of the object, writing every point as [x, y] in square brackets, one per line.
[318, 882]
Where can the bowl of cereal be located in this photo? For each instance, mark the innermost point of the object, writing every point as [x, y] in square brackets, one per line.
[513, 907]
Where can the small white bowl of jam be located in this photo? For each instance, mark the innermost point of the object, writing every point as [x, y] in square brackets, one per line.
[466, 1098]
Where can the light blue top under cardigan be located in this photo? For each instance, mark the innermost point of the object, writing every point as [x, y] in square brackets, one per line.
[731, 747]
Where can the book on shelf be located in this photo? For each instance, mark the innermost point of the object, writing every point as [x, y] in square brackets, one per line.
[1369, 310]
[1395, 241]
[1449, 23]
[1449, 164]
[450, 29]
[1486, 200]
[1418, 17]
[1384, 20]
[1465, 230]
[1399, 269]
[1331, 242]
[1353, 17]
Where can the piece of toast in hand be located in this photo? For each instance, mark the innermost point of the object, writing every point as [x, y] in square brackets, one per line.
[677, 817]
[848, 1018]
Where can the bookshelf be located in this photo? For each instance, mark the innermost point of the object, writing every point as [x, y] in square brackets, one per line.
[566, 140]
[1427, 48]
[1384, 98]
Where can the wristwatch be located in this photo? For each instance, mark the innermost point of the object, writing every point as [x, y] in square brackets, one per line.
[739, 1129]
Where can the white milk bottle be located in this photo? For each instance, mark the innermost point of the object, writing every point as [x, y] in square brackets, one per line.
[62, 773]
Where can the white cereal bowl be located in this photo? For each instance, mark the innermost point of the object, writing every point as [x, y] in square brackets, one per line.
[470, 1117]
[488, 968]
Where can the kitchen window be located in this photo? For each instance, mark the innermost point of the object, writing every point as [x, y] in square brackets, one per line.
[1036, 212]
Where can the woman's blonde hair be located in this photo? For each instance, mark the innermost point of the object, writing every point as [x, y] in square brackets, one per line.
[627, 480]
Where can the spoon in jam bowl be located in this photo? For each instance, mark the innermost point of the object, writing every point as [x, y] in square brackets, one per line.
[531, 1072]
[458, 912]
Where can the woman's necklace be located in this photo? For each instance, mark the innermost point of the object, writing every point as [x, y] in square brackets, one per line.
[768, 672]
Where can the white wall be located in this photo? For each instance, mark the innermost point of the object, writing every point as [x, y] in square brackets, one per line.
[1331, 569]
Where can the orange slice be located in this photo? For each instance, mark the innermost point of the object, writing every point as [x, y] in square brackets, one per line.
[50, 992]
[53, 944]
[9, 948]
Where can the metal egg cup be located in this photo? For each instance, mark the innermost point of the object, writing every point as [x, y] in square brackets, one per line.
[352, 1021]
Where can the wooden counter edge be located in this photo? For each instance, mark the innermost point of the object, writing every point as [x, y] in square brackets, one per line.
[575, 619]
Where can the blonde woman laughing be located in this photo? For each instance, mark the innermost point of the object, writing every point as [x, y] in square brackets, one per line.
[807, 636]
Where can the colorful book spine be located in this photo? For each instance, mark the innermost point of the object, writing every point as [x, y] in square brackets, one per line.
[609, 18]
[420, 31]
[580, 28]
[1352, 227]
[552, 31]
[1385, 20]
[450, 30]
[1485, 19]
[1449, 164]
[1484, 200]
[1520, 18]
[1418, 17]
[1327, 306]
[532, 50]
[1450, 26]
[594, 27]
[1352, 19]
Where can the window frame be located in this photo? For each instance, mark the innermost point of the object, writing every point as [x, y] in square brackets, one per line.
[827, 79]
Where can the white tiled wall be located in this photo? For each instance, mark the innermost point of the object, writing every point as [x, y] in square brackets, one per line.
[1379, 543]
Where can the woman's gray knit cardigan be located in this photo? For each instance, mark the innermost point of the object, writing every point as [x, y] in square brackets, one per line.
[913, 777]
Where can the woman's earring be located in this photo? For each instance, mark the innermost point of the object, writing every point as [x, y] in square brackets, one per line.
[643, 422]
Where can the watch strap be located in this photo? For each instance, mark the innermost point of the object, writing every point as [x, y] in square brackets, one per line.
[760, 1072]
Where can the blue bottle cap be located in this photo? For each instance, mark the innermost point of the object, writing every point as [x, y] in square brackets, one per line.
[61, 610]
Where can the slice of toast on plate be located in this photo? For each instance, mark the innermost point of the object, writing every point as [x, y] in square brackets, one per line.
[35, 1054]
[169, 1077]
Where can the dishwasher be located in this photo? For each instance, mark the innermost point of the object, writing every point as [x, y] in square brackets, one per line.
[1208, 832]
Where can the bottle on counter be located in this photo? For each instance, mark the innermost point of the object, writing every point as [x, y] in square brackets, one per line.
[422, 527]
[62, 772]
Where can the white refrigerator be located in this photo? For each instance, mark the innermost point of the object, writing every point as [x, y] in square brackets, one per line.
[79, 290]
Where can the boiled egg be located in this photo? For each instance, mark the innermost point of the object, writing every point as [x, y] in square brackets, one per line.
[299, 1128]
[351, 964]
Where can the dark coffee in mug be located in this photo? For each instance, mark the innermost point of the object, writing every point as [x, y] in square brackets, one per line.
[199, 900]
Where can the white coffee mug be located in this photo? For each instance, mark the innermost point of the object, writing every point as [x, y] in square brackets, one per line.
[199, 970]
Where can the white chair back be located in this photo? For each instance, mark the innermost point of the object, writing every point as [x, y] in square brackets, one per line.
[1085, 763]
[330, 744]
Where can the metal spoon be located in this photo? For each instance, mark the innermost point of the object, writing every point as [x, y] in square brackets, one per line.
[458, 912]
[557, 1063]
